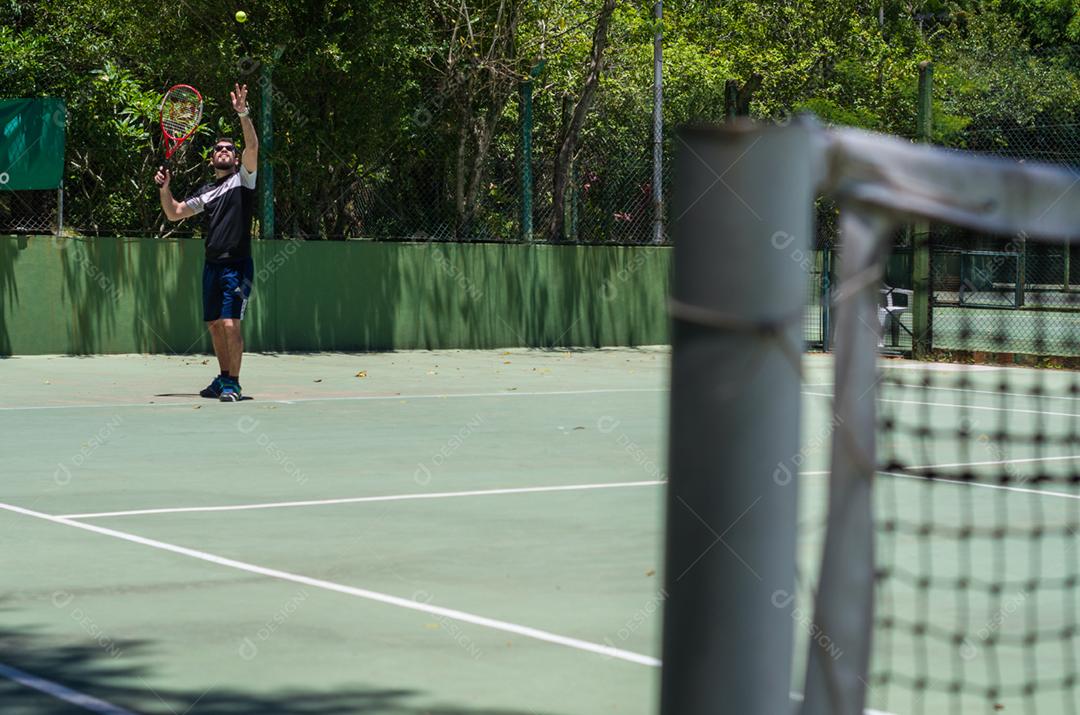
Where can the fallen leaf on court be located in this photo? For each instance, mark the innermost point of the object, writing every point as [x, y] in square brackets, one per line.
[430, 372]
[650, 572]
[511, 389]
[47, 382]
[579, 428]
[205, 362]
[197, 407]
[319, 380]
[506, 362]
[506, 353]
[362, 373]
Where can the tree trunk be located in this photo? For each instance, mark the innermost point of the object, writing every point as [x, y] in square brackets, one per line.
[459, 171]
[737, 99]
[568, 138]
[485, 135]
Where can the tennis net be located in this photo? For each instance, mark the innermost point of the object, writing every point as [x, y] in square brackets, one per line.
[949, 571]
[978, 528]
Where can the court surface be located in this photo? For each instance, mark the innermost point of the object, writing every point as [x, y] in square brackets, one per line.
[525, 581]
[443, 533]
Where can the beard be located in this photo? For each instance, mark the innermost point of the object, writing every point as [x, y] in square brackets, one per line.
[224, 164]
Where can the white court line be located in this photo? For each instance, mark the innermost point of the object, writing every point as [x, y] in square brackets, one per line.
[357, 398]
[358, 500]
[61, 692]
[965, 464]
[940, 366]
[965, 407]
[1040, 492]
[993, 393]
[492, 492]
[462, 616]
[996, 461]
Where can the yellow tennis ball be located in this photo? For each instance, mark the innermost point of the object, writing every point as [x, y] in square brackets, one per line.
[241, 16]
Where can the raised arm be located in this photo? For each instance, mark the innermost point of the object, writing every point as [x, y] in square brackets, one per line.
[174, 210]
[250, 158]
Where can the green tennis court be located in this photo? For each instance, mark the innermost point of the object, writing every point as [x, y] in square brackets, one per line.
[525, 580]
[452, 532]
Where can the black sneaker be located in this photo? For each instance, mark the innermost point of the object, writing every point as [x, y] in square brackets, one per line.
[230, 392]
[213, 389]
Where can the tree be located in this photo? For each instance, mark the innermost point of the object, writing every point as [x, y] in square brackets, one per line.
[571, 129]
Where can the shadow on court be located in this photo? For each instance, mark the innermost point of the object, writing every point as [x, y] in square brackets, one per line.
[118, 673]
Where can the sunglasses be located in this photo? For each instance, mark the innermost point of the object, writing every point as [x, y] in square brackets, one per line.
[220, 147]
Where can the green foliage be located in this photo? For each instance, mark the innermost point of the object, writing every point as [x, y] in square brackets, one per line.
[381, 107]
[832, 113]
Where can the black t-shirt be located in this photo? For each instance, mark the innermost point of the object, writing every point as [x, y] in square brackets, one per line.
[229, 204]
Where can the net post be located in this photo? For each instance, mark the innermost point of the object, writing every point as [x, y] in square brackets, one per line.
[741, 271]
[922, 338]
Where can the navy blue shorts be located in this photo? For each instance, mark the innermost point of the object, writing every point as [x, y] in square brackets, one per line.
[226, 288]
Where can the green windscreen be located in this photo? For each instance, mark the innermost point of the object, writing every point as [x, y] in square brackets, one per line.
[31, 143]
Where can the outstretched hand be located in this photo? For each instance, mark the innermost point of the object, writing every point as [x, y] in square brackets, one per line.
[239, 98]
[163, 177]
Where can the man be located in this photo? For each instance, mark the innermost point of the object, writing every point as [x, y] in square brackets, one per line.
[229, 204]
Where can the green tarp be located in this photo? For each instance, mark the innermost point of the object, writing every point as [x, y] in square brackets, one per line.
[31, 143]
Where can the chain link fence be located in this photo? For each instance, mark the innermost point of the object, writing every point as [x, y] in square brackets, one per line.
[988, 293]
[429, 188]
[431, 184]
[31, 212]
[1008, 294]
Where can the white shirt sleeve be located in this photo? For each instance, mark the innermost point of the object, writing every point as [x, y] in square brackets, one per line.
[247, 178]
[197, 202]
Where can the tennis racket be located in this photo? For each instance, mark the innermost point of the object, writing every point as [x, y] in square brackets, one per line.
[181, 110]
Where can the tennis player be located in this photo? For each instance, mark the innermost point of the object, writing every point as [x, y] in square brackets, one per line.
[228, 203]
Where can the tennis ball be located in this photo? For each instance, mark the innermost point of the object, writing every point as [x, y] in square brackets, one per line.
[241, 16]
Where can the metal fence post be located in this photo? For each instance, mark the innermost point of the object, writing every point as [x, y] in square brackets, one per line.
[266, 143]
[922, 336]
[826, 298]
[658, 126]
[525, 90]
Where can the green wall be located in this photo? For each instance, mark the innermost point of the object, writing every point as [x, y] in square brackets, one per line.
[116, 295]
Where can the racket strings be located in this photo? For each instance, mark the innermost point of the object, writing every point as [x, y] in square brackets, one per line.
[181, 112]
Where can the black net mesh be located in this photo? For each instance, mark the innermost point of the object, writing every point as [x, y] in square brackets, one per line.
[978, 494]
